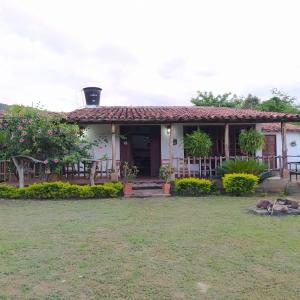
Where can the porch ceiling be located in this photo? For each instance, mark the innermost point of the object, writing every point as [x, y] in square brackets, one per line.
[175, 114]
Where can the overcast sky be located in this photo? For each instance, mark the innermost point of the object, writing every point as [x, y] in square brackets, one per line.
[146, 52]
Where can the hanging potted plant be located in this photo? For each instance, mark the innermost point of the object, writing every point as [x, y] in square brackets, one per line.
[165, 173]
[129, 175]
[250, 141]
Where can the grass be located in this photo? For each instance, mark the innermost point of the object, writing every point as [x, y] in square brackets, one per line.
[147, 249]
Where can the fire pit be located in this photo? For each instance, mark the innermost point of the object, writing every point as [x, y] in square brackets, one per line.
[279, 207]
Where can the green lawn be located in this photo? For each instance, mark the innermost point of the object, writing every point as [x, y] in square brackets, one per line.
[147, 249]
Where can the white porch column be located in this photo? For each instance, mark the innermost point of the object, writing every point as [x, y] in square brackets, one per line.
[284, 172]
[114, 174]
[226, 142]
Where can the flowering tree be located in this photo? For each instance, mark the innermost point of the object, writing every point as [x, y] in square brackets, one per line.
[45, 136]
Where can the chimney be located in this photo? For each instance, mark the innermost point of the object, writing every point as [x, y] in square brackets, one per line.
[92, 96]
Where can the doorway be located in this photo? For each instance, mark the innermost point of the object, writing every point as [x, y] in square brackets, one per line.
[269, 151]
[140, 146]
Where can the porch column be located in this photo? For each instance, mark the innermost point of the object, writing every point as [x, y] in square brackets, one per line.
[226, 142]
[114, 174]
[170, 129]
[284, 172]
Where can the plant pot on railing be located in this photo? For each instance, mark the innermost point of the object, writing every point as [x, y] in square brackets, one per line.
[166, 173]
[129, 175]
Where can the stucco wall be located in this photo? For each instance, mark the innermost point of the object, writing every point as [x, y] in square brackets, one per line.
[292, 151]
[97, 131]
[177, 134]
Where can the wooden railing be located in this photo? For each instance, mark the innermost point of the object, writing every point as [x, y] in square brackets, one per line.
[207, 167]
[37, 172]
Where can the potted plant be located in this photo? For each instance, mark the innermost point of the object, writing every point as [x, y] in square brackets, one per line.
[165, 173]
[129, 174]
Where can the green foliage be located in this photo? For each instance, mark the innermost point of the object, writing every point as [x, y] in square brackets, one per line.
[222, 100]
[250, 166]
[166, 172]
[42, 135]
[193, 186]
[197, 144]
[239, 183]
[129, 173]
[61, 190]
[280, 102]
[251, 102]
[265, 175]
[250, 141]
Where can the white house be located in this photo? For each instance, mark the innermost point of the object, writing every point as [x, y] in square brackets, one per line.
[148, 136]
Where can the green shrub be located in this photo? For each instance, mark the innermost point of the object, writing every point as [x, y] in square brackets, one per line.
[250, 166]
[61, 190]
[239, 183]
[193, 186]
[8, 191]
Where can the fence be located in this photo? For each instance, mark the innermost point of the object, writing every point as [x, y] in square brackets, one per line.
[38, 172]
[208, 167]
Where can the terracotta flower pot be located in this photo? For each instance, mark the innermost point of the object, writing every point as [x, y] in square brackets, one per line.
[127, 189]
[166, 188]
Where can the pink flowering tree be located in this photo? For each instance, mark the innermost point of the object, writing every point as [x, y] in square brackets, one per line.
[42, 135]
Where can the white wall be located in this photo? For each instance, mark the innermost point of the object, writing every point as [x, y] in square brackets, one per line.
[96, 131]
[292, 151]
[177, 133]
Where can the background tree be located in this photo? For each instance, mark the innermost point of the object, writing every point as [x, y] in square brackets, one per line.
[221, 100]
[280, 102]
[42, 135]
[251, 102]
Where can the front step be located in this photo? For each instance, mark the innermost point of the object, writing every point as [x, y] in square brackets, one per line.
[147, 193]
[146, 185]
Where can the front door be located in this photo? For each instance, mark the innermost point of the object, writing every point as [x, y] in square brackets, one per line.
[269, 151]
[140, 146]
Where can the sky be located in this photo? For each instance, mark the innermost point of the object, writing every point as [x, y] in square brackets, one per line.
[146, 52]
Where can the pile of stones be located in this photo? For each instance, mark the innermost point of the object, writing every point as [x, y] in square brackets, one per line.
[278, 207]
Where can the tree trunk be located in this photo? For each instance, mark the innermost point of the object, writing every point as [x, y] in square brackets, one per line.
[20, 170]
[92, 173]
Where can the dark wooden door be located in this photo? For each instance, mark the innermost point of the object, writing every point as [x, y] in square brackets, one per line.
[269, 151]
[155, 151]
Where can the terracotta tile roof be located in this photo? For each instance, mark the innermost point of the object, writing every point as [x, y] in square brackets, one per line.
[165, 114]
[275, 127]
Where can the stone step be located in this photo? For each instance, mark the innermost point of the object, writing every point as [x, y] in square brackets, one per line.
[146, 185]
[146, 193]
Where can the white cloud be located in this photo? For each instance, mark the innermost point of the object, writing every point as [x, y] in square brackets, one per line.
[146, 52]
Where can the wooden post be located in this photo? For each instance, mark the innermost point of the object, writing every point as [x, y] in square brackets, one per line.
[226, 142]
[284, 172]
[114, 174]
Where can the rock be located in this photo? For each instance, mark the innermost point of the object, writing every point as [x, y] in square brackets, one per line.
[281, 201]
[263, 204]
[292, 203]
[280, 208]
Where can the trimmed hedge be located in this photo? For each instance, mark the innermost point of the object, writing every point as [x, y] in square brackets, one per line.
[193, 186]
[61, 190]
[239, 183]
